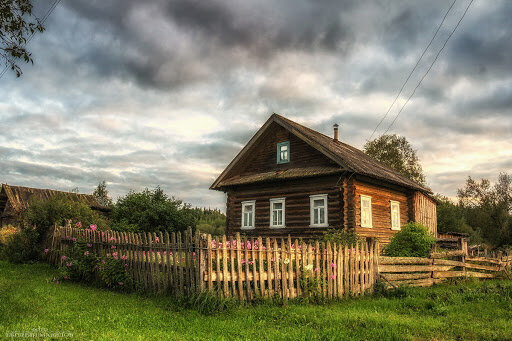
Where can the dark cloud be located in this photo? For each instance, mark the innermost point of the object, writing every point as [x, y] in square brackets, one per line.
[167, 92]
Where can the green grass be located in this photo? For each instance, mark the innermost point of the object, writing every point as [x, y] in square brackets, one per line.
[29, 300]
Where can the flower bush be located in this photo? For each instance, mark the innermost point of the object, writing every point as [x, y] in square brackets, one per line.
[113, 272]
[79, 263]
[340, 236]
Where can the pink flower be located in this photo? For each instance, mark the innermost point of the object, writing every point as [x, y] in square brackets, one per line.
[108, 254]
[112, 239]
[69, 264]
[124, 257]
[114, 254]
[86, 253]
[63, 257]
[79, 224]
[121, 283]
[315, 270]
[65, 277]
[93, 227]
[333, 277]
[103, 261]
[333, 265]
[157, 240]
[74, 239]
[248, 245]
[89, 245]
[125, 264]
[46, 250]
[113, 247]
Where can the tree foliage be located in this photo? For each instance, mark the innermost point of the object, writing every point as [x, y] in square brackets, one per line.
[101, 194]
[397, 153]
[17, 24]
[210, 221]
[151, 211]
[488, 208]
[451, 217]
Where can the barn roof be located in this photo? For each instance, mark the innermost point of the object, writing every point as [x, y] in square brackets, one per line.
[19, 197]
[346, 156]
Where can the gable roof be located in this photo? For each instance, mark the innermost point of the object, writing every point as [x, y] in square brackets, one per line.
[19, 198]
[347, 157]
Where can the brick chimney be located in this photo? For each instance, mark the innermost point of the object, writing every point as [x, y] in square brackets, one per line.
[335, 126]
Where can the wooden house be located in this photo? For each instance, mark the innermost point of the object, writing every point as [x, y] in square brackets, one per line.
[15, 199]
[292, 180]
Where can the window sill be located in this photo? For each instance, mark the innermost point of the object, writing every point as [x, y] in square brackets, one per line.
[319, 226]
[247, 228]
[366, 227]
[277, 227]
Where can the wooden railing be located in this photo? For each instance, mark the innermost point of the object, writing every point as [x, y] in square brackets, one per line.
[241, 267]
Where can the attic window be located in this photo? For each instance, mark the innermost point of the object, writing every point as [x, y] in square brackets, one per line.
[283, 152]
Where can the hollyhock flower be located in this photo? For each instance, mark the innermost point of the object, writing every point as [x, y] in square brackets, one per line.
[125, 264]
[86, 253]
[114, 254]
[46, 250]
[63, 257]
[113, 247]
[316, 270]
[103, 261]
[89, 245]
[333, 265]
[79, 224]
[69, 264]
[112, 239]
[74, 239]
[121, 283]
[333, 277]
[157, 240]
[248, 245]
[93, 227]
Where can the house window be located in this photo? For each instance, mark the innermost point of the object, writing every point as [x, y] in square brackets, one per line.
[366, 211]
[248, 214]
[283, 152]
[318, 210]
[395, 215]
[277, 214]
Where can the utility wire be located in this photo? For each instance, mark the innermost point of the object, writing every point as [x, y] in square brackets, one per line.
[412, 71]
[43, 20]
[426, 73]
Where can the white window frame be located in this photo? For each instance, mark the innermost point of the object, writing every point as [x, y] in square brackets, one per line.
[370, 223]
[312, 199]
[272, 202]
[395, 225]
[252, 223]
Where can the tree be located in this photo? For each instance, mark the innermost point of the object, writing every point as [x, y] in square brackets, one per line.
[451, 218]
[101, 194]
[489, 208]
[151, 211]
[17, 25]
[396, 152]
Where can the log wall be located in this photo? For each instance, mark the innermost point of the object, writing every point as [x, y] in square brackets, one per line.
[424, 210]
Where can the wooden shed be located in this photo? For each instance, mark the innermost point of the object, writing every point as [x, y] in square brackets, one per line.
[15, 199]
[292, 180]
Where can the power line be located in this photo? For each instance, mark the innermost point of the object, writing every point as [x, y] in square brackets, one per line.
[426, 73]
[43, 20]
[413, 69]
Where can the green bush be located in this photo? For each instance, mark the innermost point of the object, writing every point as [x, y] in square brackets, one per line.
[413, 240]
[341, 236]
[21, 247]
[57, 210]
[79, 263]
[113, 272]
[151, 211]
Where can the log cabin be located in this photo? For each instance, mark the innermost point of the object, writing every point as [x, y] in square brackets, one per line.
[292, 180]
[15, 199]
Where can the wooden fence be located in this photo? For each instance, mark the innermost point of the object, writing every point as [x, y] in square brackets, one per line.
[415, 271]
[241, 267]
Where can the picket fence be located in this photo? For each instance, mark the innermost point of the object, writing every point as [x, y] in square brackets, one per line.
[241, 267]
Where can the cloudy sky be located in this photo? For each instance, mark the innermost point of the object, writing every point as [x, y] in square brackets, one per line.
[147, 93]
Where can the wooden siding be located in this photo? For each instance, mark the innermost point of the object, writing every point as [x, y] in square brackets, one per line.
[381, 209]
[297, 212]
[263, 157]
[424, 210]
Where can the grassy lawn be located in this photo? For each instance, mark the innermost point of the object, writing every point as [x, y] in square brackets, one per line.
[30, 300]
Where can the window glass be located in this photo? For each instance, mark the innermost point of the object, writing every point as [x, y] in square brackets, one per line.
[283, 152]
[277, 212]
[318, 210]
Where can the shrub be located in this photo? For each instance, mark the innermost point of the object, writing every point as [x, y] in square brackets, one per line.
[113, 272]
[151, 211]
[80, 263]
[21, 247]
[341, 236]
[413, 240]
[57, 210]
[6, 232]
